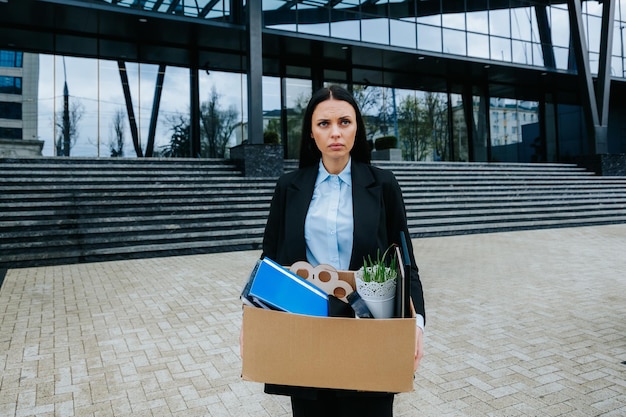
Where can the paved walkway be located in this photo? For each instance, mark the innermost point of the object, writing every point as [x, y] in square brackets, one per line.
[519, 324]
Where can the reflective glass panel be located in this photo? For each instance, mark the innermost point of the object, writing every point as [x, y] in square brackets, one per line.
[11, 59]
[561, 56]
[346, 30]
[298, 93]
[375, 31]
[537, 54]
[478, 22]
[521, 23]
[403, 33]
[454, 42]
[453, 21]
[522, 52]
[478, 45]
[10, 85]
[460, 151]
[500, 49]
[429, 38]
[223, 109]
[559, 24]
[593, 29]
[10, 110]
[500, 23]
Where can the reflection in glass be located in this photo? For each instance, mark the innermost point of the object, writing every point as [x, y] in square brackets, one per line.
[537, 55]
[480, 130]
[562, 56]
[429, 38]
[297, 95]
[459, 129]
[375, 31]
[454, 42]
[593, 26]
[478, 22]
[521, 22]
[453, 21]
[322, 29]
[223, 102]
[559, 24]
[500, 49]
[514, 131]
[346, 30]
[522, 52]
[403, 33]
[478, 45]
[500, 23]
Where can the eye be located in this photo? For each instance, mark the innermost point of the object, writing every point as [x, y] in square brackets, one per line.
[346, 122]
[323, 124]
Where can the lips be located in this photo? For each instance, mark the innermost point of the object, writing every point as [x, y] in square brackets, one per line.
[336, 146]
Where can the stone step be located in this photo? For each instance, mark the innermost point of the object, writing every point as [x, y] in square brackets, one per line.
[59, 210]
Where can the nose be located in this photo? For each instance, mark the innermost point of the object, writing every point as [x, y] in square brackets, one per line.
[335, 131]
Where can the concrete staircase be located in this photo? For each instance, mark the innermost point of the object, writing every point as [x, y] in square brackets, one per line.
[58, 211]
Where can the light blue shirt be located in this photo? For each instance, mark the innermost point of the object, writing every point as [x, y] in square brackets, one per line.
[329, 224]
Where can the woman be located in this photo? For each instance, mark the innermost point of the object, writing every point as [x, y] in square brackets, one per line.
[337, 209]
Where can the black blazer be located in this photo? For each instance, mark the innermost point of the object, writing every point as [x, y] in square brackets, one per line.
[379, 216]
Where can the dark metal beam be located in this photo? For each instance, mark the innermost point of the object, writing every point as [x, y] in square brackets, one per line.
[156, 103]
[289, 5]
[255, 72]
[206, 9]
[173, 5]
[132, 122]
[156, 5]
[604, 68]
[545, 35]
[195, 145]
[581, 52]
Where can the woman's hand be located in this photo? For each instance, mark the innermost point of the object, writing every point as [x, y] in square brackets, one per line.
[419, 347]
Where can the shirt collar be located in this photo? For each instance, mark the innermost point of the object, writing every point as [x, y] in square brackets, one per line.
[345, 175]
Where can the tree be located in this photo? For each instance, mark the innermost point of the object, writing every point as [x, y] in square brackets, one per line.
[436, 121]
[370, 100]
[180, 141]
[116, 143]
[217, 126]
[272, 132]
[423, 126]
[408, 112]
[67, 123]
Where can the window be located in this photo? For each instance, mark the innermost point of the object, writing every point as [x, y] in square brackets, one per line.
[10, 85]
[10, 111]
[11, 59]
[10, 133]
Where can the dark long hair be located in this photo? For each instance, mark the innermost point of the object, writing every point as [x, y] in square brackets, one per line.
[309, 154]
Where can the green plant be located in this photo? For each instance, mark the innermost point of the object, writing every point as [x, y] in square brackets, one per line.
[386, 142]
[377, 270]
[271, 137]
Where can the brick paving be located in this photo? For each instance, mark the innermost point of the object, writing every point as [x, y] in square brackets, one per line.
[519, 324]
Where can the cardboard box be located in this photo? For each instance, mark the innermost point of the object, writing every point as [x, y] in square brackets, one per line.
[328, 352]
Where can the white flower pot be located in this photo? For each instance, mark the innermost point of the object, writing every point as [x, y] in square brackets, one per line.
[379, 297]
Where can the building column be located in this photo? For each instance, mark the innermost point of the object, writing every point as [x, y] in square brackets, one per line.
[255, 158]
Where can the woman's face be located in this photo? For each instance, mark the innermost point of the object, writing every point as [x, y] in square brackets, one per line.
[333, 128]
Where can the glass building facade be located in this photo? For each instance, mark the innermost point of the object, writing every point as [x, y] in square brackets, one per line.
[488, 80]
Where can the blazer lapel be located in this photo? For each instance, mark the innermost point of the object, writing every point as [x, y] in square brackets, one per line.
[366, 201]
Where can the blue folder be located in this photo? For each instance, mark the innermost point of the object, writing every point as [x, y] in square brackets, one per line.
[283, 290]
